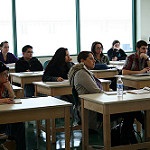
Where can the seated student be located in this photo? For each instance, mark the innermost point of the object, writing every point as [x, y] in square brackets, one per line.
[15, 131]
[97, 49]
[28, 63]
[116, 53]
[85, 83]
[58, 68]
[138, 62]
[5, 56]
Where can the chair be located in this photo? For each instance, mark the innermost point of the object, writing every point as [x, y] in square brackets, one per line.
[45, 64]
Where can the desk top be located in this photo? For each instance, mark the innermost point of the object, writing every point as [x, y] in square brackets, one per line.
[105, 70]
[64, 83]
[136, 78]
[53, 84]
[34, 103]
[121, 62]
[16, 87]
[102, 98]
[27, 74]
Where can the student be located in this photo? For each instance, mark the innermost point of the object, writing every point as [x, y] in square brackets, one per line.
[15, 131]
[59, 66]
[28, 63]
[97, 49]
[85, 83]
[5, 56]
[138, 62]
[116, 53]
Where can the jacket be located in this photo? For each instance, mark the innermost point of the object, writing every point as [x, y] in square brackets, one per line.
[33, 65]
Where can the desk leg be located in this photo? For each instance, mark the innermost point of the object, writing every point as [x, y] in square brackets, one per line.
[84, 118]
[67, 128]
[48, 144]
[106, 131]
[147, 133]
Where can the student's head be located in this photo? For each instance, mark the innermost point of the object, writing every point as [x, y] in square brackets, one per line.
[4, 47]
[60, 57]
[3, 72]
[87, 58]
[27, 52]
[141, 46]
[116, 44]
[97, 48]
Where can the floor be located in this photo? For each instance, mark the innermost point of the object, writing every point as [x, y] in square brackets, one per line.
[31, 139]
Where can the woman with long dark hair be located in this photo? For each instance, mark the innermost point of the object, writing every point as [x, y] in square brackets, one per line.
[59, 66]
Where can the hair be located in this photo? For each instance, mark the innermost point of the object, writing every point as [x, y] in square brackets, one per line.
[83, 55]
[141, 43]
[26, 47]
[2, 44]
[94, 46]
[59, 58]
[114, 42]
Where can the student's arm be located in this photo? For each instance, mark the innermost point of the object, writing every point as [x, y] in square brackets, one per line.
[129, 72]
[9, 88]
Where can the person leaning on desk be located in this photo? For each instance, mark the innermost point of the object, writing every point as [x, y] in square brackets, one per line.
[138, 62]
[28, 63]
[14, 131]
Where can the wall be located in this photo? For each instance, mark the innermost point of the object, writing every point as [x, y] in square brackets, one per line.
[143, 21]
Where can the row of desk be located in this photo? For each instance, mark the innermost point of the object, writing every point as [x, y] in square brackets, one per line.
[97, 102]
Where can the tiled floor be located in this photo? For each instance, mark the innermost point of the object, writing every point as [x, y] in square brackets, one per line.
[60, 139]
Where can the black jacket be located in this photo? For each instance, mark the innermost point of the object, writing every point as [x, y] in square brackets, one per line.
[53, 72]
[33, 65]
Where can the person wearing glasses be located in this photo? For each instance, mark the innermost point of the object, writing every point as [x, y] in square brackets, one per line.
[14, 133]
[115, 53]
[97, 49]
[5, 56]
[28, 63]
[138, 62]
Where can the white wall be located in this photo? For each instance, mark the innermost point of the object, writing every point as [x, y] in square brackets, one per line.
[143, 20]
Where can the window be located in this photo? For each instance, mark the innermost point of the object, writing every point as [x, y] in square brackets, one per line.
[46, 25]
[6, 23]
[106, 21]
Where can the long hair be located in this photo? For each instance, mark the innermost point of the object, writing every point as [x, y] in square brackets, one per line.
[58, 59]
[94, 46]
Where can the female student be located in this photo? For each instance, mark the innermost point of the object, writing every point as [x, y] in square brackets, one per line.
[5, 56]
[15, 131]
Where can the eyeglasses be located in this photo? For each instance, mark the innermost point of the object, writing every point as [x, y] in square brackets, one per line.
[30, 52]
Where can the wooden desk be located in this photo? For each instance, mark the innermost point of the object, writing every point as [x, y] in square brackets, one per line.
[61, 88]
[11, 67]
[18, 91]
[107, 73]
[136, 82]
[110, 104]
[26, 77]
[38, 109]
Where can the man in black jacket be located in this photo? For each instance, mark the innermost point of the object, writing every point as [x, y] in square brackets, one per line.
[28, 63]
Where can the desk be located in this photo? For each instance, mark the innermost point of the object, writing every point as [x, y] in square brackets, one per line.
[26, 77]
[107, 73]
[110, 104]
[38, 109]
[117, 64]
[61, 88]
[136, 82]
[11, 67]
[18, 91]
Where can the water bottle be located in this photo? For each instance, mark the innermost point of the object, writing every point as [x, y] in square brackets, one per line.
[119, 87]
